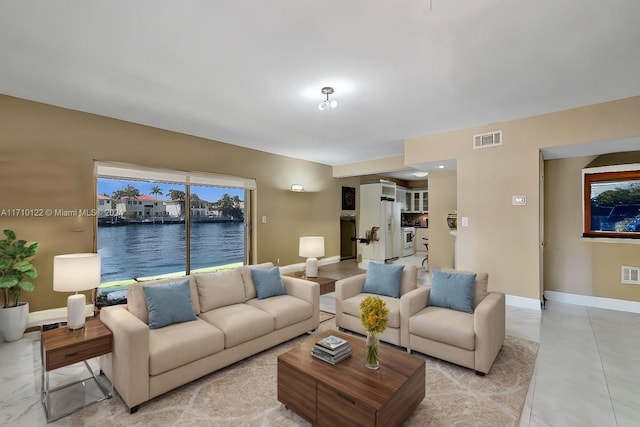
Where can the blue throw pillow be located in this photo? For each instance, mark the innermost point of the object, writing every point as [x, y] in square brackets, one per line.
[452, 290]
[168, 304]
[383, 279]
[268, 282]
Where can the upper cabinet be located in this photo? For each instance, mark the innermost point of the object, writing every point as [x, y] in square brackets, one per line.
[401, 197]
[417, 201]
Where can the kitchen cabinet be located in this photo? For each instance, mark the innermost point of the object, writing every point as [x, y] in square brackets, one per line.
[417, 200]
[401, 197]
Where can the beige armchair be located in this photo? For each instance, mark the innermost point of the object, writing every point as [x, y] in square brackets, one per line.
[349, 294]
[472, 340]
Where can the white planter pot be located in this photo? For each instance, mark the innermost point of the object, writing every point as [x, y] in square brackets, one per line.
[13, 321]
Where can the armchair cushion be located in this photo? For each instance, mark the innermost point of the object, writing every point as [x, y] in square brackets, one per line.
[480, 289]
[352, 306]
[452, 290]
[383, 279]
[446, 326]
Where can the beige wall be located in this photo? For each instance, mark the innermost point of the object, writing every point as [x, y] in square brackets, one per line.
[442, 200]
[46, 161]
[572, 264]
[503, 239]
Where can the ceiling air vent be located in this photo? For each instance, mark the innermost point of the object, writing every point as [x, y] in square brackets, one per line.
[489, 139]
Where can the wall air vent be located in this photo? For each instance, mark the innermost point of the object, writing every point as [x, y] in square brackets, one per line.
[489, 139]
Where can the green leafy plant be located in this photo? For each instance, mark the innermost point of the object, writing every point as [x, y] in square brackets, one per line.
[16, 269]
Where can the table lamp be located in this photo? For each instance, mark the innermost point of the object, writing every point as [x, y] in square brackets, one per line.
[75, 273]
[311, 247]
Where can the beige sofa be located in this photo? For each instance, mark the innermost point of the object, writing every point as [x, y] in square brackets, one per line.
[231, 324]
[349, 294]
[472, 340]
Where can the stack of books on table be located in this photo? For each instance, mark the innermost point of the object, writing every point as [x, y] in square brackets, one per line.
[332, 349]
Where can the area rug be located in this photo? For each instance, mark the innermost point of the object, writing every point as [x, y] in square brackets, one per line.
[245, 394]
[324, 316]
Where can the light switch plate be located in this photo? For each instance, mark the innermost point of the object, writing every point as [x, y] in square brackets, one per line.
[465, 221]
[518, 200]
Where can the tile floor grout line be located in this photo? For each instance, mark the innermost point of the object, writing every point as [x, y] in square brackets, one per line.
[604, 372]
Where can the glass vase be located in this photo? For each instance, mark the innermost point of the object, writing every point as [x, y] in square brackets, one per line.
[372, 351]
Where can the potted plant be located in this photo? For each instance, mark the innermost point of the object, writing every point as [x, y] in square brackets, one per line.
[16, 272]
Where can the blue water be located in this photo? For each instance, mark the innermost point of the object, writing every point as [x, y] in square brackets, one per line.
[139, 250]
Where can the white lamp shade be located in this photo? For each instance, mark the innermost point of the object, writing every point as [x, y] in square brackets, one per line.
[311, 246]
[76, 272]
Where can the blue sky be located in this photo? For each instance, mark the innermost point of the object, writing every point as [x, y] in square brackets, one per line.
[210, 194]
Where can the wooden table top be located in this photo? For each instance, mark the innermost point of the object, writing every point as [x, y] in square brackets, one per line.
[59, 338]
[373, 387]
[301, 275]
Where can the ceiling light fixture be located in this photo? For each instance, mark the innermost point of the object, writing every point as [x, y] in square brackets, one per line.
[327, 104]
[440, 166]
[420, 174]
[298, 188]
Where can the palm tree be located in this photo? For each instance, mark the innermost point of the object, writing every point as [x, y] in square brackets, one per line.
[156, 191]
[177, 195]
[128, 191]
[230, 206]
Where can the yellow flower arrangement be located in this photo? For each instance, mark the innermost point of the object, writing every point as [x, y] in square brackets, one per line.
[373, 314]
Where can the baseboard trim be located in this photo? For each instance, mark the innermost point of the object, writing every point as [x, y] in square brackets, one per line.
[591, 301]
[522, 302]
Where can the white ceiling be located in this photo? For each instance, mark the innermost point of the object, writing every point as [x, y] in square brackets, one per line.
[249, 73]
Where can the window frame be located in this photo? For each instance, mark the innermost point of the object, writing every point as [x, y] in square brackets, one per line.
[630, 172]
[117, 170]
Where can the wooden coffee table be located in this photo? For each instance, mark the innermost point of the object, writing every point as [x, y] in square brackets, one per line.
[349, 393]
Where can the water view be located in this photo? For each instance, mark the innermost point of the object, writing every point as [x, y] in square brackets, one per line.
[140, 250]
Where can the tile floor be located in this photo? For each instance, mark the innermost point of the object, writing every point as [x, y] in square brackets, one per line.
[587, 372]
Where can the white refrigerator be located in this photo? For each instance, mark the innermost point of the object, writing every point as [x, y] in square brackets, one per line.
[381, 213]
[390, 213]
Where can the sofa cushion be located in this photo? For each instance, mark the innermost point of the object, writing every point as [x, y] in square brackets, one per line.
[268, 282]
[137, 304]
[182, 343]
[168, 304]
[286, 309]
[247, 279]
[445, 326]
[240, 323]
[219, 289]
[383, 279]
[352, 306]
[452, 290]
[480, 288]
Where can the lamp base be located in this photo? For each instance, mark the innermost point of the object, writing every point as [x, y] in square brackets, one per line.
[311, 267]
[75, 312]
